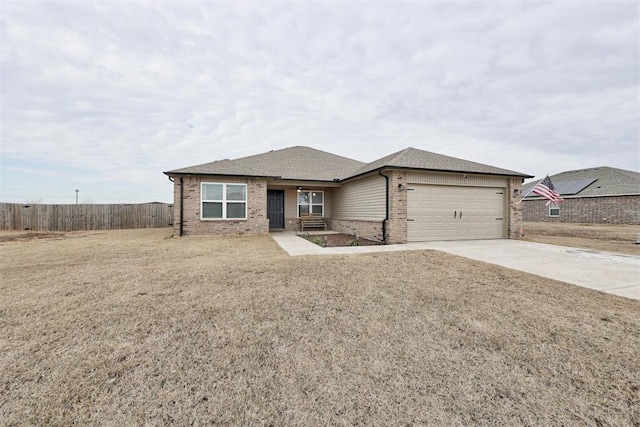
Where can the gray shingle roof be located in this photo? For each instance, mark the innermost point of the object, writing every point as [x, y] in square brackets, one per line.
[302, 163]
[608, 182]
[412, 158]
[305, 163]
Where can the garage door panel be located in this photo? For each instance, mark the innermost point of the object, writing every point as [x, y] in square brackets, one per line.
[440, 212]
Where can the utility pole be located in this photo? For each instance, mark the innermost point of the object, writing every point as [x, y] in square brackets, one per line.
[77, 196]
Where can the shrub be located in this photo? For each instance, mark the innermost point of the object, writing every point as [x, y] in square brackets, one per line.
[319, 240]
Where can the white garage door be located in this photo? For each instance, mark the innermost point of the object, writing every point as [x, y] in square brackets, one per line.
[447, 212]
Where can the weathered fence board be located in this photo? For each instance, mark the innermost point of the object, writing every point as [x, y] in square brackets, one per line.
[84, 217]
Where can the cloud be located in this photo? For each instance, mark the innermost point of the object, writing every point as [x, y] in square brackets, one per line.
[132, 90]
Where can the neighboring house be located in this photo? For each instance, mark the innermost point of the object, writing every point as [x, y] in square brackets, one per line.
[411, 195]
[601, 195]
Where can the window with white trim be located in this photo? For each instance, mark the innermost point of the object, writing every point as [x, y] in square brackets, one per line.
[554, 210]
[311, 202]
[223, 201]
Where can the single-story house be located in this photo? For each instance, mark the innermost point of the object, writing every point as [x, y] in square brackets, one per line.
[411, 195]
[602, 195]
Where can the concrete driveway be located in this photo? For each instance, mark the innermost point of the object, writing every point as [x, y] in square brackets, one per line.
[603, 271]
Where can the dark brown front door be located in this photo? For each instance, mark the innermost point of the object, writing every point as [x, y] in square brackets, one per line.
[275, 208]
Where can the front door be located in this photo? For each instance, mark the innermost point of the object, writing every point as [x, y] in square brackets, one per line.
[275, 208]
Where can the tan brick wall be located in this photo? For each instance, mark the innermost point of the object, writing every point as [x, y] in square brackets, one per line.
[396, 226]
[371, 230]
[256, 222]
[514, 214]
[588, 210]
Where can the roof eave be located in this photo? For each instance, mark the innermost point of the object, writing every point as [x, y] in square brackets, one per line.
[176, 173]
[380, 168]
[328, 181]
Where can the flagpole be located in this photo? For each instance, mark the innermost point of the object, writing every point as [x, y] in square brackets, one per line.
[531, 189]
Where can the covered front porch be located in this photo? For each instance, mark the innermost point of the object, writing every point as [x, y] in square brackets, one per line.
[339, 208]
[288, 203]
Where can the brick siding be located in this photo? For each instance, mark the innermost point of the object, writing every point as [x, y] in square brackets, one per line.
[371, 230]
[514, 221]
[588, 210]
[397, 224]
[292, 224]
[256, 222]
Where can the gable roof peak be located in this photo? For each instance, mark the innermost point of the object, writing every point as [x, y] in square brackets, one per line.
[301, 162]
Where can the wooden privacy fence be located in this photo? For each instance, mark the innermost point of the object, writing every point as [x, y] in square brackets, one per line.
[84, 217]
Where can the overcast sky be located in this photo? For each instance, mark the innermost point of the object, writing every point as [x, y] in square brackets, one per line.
[103, 97]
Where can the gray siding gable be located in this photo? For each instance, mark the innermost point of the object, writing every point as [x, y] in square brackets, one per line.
[361, 199]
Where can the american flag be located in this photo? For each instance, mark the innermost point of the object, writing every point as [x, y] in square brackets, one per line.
[545, 189]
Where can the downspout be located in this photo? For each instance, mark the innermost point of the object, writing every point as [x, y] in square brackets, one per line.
[384, 223]
[181, 206]
[181, 200]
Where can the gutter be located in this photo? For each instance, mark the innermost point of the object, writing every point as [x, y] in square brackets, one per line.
[221, 174]
[384, 223]
[181, 201]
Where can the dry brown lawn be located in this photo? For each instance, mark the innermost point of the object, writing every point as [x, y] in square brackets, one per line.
[134, 327]
[603, 237]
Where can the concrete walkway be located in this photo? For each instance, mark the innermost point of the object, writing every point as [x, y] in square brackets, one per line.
[603, 271]
[295, 245]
